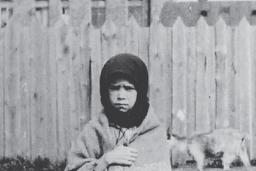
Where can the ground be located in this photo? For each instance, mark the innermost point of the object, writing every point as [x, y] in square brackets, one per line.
[192, 167]
[212, 169]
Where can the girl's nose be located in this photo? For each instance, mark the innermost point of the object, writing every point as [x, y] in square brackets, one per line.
[121, 94]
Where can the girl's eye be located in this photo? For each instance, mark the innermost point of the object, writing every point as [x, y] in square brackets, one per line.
[114, 87]
[129, 88]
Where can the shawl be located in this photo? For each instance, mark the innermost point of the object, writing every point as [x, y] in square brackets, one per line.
[96, 139]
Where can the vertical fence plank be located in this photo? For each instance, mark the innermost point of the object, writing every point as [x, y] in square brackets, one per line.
[231, 79]
[205, 95]
[244, 76]
[11, 87]
[63, 85]
[21, 19]
[253, 94]
[137, 39]
[24, 124]
[179, 110]
[221, 55]
[109, 33]
[69, 54]
[52, 131]
[1, 24]
[38, 89]
[2, 79]
[191, 80]
[74, 87]
[226, 112]
[160, 70]
[80, 65]
[132, 35]
[179, 78]
[243, 80]
[45, 17]
[44, 89]
[96, 65]
[83, 74]
[144, 44]
[211, 82]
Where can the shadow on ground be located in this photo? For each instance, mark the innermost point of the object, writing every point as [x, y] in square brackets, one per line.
[215, 165]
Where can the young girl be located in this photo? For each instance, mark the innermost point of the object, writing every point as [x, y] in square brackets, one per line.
[127, 134]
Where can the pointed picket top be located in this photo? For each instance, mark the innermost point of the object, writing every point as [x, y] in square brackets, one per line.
[244, 24]
[132, 23]
[244, 32]
[163, 36]
[132, 36]
[201, 23]
[109, 29]
[202, 33]
[221, 24]
[156, 8]
[132, 28]
[221, 35]
[155, 23]
[244, 35]
[155, 20]
[179, 40]
[179, 30]
[179, 23]
[80, 10]
[157, 31]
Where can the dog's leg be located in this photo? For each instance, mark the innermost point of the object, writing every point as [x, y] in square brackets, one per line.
[245, 159]
[198, 155]
[243, 153]
[227, 160]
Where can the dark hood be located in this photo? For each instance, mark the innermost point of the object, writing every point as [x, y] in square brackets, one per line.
[134, 69]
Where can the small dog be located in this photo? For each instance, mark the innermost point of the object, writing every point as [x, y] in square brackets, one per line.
[226, 143]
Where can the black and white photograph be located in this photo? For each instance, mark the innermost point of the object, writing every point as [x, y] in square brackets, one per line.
[127, 85]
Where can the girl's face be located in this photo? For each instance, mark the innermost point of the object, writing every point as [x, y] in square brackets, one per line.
[122, 94]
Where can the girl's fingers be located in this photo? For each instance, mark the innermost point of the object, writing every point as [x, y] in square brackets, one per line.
[125, 162]
[133, 154]
[129, 158]
[131, 151]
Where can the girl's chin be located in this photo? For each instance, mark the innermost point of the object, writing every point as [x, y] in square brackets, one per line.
[122, 110]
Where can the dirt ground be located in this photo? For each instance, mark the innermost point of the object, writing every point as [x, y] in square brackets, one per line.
[213, 169]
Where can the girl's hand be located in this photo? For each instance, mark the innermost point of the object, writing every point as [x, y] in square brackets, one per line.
[121, 155]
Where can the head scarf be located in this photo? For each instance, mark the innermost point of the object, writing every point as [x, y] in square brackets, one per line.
[133, 69]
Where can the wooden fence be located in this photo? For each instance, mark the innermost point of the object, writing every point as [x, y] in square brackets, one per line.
[201, 77]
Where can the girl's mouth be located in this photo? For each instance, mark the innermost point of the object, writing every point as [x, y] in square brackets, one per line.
[121, 104]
